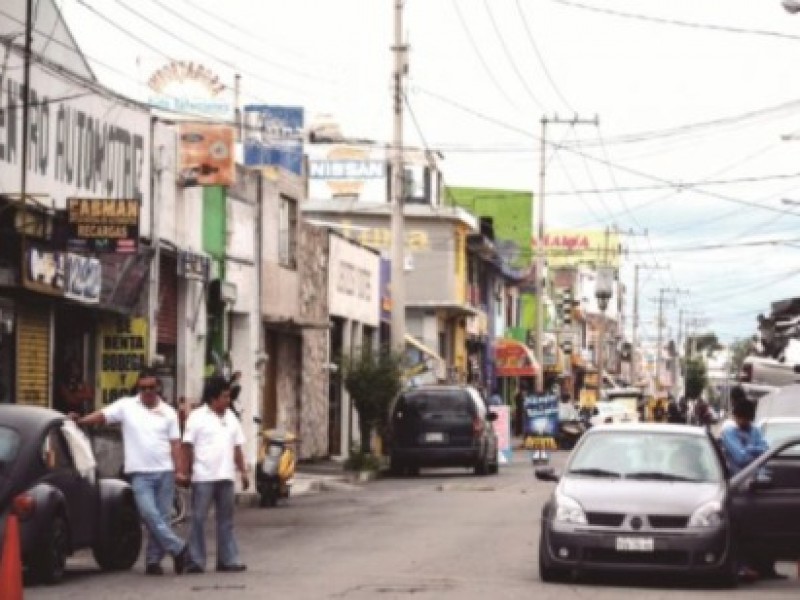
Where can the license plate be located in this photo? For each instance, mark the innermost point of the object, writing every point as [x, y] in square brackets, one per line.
[635, 544]
[434, 437]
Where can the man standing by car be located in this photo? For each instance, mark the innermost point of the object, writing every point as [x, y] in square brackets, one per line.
[742, 443]
[212, 445]
[151, 443]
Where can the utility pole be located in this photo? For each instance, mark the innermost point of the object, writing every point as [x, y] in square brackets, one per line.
[26, 102]
[635, 332]
[398, 233]
[660, 324]
[541, 282]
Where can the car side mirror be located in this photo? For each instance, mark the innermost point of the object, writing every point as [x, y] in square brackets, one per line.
[547, 474]
[491, 416]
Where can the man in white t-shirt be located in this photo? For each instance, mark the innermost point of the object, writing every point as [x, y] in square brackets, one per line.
[151, 442]
[212, 444]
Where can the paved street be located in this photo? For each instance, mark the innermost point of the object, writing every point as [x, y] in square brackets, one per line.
[445, 534]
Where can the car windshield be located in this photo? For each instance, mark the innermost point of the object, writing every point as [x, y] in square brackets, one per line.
[422, 404]
[775, 433]
[647, 456]
[9, 446]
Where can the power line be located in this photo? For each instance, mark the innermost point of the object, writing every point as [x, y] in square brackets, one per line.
[510, 57]
[535, 47]
[479, 54]
[679, 23]
[623, 168]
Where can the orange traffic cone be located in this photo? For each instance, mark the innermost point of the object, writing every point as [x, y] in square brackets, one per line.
[11, 562]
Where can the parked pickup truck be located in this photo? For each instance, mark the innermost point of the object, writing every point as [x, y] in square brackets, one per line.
[760, 375]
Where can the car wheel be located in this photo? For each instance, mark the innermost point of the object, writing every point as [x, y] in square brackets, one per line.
[412, 470]
[50, 558]
[494, 468]
[547, 572]
[396, 467]
[482, 466]
[120, 548]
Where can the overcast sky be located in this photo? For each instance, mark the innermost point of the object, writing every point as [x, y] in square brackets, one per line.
[692, 96]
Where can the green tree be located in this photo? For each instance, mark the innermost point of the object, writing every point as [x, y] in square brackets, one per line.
[740, 349]
[696, 377]
[373, 379]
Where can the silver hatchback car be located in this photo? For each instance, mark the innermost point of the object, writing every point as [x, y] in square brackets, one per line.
[654, 497]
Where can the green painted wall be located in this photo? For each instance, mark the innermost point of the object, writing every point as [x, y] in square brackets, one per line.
[214, 221]
[214, 243]
[511, 212]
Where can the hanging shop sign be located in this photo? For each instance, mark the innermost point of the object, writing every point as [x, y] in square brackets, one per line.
[123, 353]
[274, 138]
[193, 266]
[63, 274]
[206, 155]
[514, 359]
[103, 225]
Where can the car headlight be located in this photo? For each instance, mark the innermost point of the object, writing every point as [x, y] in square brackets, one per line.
[569, 511]
[708, 515]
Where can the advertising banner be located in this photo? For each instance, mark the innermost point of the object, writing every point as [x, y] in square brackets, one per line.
[502, 427]
[206, 155]
[541, 421]
[102, 225]
[274, 137]
[570, 247]
[123, 353]
[514, 359]
[62, 274]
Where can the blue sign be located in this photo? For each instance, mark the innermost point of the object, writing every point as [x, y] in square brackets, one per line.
[541, 416]
[274, 137]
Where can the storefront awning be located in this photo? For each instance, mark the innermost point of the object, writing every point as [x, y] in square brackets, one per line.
[423, 364]
[422, 348]
[514, 359]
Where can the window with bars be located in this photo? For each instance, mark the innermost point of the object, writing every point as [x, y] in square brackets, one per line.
[287, 233]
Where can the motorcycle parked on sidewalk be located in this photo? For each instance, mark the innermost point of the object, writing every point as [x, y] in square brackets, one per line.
[276, 464]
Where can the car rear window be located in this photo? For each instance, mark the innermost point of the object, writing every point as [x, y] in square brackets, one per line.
[440, 403]
[9, 446]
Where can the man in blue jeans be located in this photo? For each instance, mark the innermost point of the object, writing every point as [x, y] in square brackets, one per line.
[151, 442]
[212, 444]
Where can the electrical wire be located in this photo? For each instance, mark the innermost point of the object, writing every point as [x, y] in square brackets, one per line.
[480, 56]
[510, 57]
[534, 45]
[679, 23]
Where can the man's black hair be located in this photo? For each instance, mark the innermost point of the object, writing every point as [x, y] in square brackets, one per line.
[737, 394]
[215, 385]
[147, 373]
[744, 409]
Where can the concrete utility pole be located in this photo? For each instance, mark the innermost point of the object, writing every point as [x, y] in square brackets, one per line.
[398, 233]
[541, 283]
[660, 324]
[635, 331]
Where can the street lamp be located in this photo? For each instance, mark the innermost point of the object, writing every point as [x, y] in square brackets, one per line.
[603, 290]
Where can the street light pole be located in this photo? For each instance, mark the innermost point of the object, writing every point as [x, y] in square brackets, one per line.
[398, 234]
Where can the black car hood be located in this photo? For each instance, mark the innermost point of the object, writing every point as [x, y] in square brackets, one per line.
[636, 496]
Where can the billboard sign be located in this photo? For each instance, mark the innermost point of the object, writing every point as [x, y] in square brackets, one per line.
[187, 86]
[570, 247]
[81, 143]
[103, 225]
[123, 353]
[206, 155]
[274, 137]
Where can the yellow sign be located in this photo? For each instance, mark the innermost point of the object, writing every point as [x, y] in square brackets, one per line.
[569, 247]
[123, 353]
[588, 398]
[380, 238]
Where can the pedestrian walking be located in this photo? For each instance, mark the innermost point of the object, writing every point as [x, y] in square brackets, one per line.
[151, 443]
[212, 445]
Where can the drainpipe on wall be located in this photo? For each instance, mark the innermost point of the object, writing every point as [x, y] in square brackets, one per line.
[157, 166]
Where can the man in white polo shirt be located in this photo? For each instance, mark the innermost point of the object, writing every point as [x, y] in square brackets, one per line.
[212, 445]
[151, 442]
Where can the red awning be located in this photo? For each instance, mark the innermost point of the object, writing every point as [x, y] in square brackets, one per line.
[514, 359]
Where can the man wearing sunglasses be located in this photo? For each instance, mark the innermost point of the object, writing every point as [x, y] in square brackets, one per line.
[151, 442]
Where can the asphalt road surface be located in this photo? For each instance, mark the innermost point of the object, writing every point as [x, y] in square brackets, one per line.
[445, 534]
